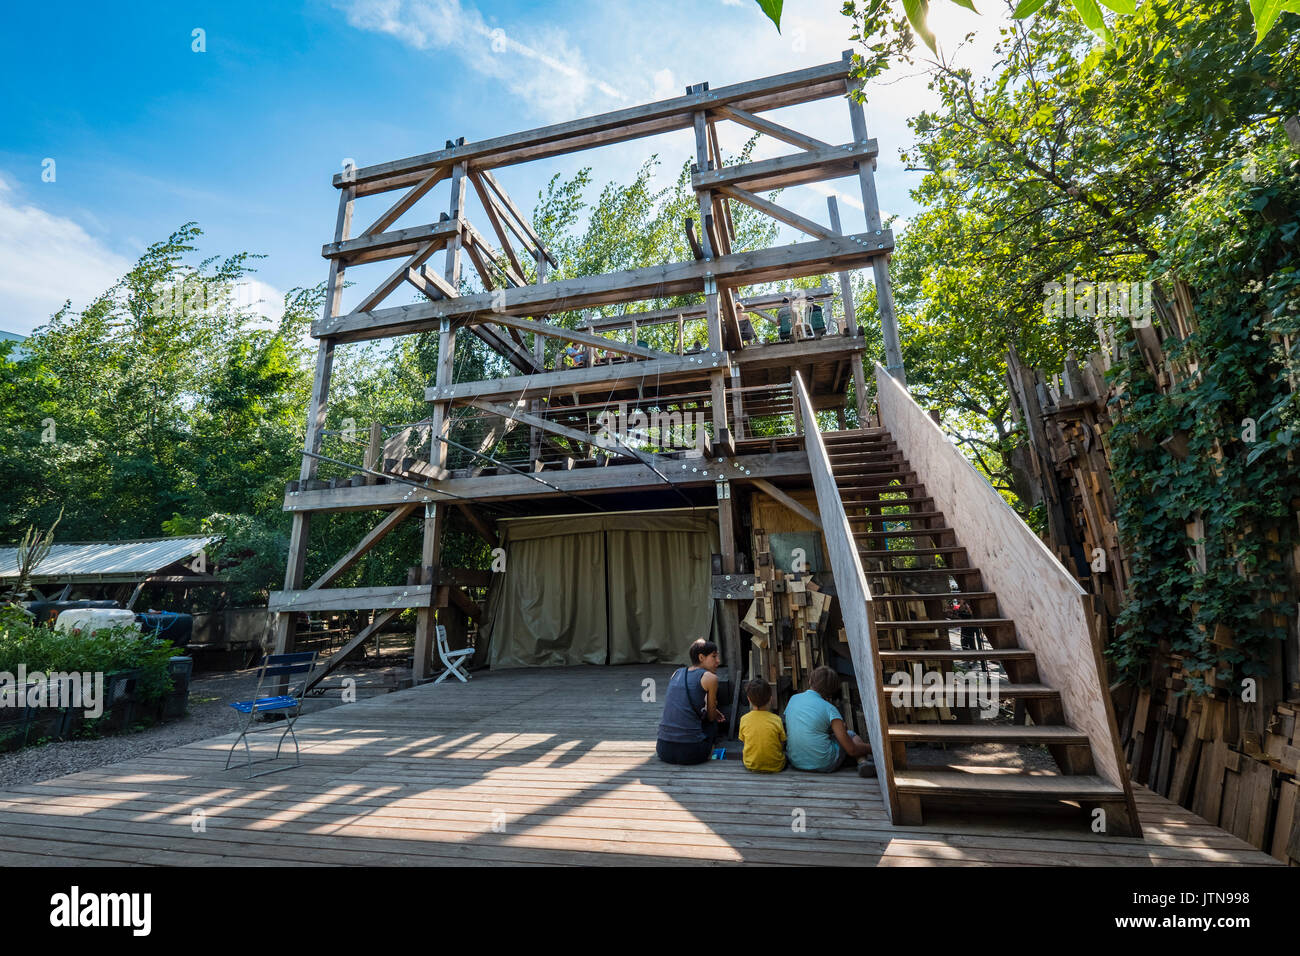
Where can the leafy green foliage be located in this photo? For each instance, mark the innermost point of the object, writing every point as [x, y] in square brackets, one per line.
[894, 41]
[1236, 242]
[1159, 158]
[105, 651]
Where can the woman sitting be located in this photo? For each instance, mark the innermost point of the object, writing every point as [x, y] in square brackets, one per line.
[691, 717]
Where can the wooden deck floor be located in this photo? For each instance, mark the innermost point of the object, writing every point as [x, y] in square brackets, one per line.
[528, 767]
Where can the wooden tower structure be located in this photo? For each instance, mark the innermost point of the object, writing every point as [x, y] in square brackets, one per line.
[857, 486]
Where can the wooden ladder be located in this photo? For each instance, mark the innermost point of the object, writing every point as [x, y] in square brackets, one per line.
[918, 574]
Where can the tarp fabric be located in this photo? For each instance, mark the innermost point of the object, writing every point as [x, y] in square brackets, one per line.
[595, 589]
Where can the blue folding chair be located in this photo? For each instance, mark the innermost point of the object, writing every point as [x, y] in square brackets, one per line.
[292, 671]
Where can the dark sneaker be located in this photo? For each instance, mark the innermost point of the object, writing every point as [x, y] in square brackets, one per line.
[866, 768]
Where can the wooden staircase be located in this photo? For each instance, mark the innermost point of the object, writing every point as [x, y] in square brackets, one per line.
[917, 573]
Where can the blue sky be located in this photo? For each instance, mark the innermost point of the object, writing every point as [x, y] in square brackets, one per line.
[146, 134]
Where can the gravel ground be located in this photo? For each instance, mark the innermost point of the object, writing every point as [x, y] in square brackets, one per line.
[210, 715]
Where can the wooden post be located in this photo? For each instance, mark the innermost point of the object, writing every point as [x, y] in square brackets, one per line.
[430, 559]
[850, 322]
[435, 515]
[373, 450]
[539, 354]
[704, 199]
[879, 265]
[316, 411]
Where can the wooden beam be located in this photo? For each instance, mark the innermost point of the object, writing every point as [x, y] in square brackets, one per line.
[339, 656]
[795, 260]
[871, 210]
[775, 130]
[494, 217]
[372, 538]
[573, 335]
[436, 287]
[519, 216]
[478, 524]
[430, 283]
[476, 239]
[541, 424]
[351, 599]
[810, 166]
[658, 372]
[467, 604]
[850, 324]
[698, 311]
[779, 213]
[409, 199]
[399, 275]
[285, 624]
[772, 491]
[685, 473]
[786, 89]
[390, 245]
[576, 380]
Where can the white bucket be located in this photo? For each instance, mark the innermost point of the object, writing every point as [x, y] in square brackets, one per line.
[88, 619]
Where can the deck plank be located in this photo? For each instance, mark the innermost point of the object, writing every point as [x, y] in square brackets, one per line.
[532, 767]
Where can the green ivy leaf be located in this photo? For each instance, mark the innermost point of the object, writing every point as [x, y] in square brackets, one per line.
[773, 10]
[916, 11]
[1266, 13]
[1027, 8]
[1092, 18]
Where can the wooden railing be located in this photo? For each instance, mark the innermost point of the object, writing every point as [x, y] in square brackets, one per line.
[854, 597]
[1053, 614]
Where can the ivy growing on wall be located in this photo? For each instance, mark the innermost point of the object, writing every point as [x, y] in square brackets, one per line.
[1206, 471]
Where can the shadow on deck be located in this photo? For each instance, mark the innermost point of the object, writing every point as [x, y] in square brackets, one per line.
[530, 767]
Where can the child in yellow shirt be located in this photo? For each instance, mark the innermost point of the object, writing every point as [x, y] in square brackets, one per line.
[761, 731]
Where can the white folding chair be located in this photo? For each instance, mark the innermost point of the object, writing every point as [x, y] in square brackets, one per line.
[453, 662]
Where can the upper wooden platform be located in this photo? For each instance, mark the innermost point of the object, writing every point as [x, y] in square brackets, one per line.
[562, 760]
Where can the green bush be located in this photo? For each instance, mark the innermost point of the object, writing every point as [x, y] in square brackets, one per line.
[105, 651]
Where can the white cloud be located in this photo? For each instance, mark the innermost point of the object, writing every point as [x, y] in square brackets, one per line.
[665, 85]
[50, 259]
[47, 259]
[265, 300]
[508, 55]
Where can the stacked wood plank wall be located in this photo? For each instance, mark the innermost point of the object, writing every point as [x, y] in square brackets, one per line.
[1233, 762]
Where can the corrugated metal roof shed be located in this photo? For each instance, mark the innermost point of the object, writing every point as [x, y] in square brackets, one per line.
[107, 561]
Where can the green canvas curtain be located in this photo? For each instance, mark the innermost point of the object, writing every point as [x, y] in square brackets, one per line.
[623, 588]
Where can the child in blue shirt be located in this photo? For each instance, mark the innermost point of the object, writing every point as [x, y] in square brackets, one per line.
[816, 738]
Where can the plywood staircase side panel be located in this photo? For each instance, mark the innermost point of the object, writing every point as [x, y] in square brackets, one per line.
[1053, 614]
[855, 600]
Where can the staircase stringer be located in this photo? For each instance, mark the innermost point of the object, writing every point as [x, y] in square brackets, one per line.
[855, 600]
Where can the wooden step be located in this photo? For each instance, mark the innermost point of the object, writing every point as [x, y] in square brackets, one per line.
[945, 623]
[853, 491]
[986, 733]
[862, 451]
[912, 553]
[905, 502]
[943, 596]
[906, 516]
[962, 654]
[1007, 691]
[851, 434]
[879, 470]
[1054, 786]
[905, 533]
